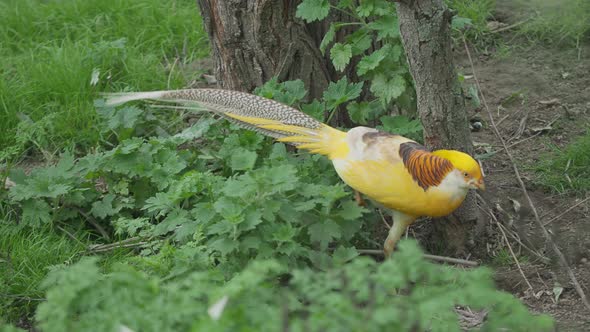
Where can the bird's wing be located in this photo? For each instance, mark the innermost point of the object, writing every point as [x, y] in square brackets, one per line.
[396, 172]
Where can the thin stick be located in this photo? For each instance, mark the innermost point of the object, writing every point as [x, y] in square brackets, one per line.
[546, 234]
[566, 211]
[93, 222]
[512, 253]
[544, 259]
[431, 257]
[499, 225]
[70, 234]
[510, 26]
[508, 115]
[383, 218]
[126, 242]
[129, 245]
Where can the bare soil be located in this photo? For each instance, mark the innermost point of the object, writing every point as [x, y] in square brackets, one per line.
[540, 96]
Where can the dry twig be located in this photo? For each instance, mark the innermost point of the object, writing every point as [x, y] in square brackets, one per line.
[431, 257]
[127, 243]
[546, 234]
[96, 225]
[511, 26]
[499, 225]
[566, 211]
[383, 219]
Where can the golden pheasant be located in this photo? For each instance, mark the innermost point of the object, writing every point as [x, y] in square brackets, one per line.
[392, 170]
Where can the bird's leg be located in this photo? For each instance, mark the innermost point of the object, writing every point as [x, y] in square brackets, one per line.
[359, 199]
[400, 224]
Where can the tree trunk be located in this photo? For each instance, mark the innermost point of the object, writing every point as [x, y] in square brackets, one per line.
[426, 36]
[255, 40]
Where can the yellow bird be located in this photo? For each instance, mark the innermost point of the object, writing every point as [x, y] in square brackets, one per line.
[392, 170]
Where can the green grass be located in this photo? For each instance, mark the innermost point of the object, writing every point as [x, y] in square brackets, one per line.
[49, 50]
[478, 12]
[567, 170]
[26, 257]
[558, 21]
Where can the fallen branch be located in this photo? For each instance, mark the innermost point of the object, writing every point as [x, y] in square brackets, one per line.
[511, 26]
[491, 214]
[70, 234]
[127, 243]
[93, 222]
[566, 211]
[431, 257]
[546, 234]
[543, 259]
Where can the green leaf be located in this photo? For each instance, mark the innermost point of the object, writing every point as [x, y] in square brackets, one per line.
[328, 38]
[229, 210]
[341, 92]
[35, 212]
[359, 112]
[386, 27]
[345, 4]
[125, 117]
[341, 55]
[313, 10]
[400, 124]
[252, 218]
[243, 186]
[104, 208]
[130, 227]
[460, 23]
[224, 245]
[388, 88]
[365, 8]
[288, 92]
[324, 233]
[243, 160]
[176, 218]
[280, 178]
[350, 210]
[360, 41]
[315, 109]
[343, 255]
[284, 233]
[295, 90]
[370, 62]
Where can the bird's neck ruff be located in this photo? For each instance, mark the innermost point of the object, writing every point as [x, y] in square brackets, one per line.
[427, 169]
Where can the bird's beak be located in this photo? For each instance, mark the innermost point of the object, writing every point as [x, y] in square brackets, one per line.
[480, 185]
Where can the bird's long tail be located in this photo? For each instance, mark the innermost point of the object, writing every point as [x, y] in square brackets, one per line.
[266, 116]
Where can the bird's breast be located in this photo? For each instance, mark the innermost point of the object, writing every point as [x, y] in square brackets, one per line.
[392, 186]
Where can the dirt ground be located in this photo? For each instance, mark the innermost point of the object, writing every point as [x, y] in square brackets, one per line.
[538, 95]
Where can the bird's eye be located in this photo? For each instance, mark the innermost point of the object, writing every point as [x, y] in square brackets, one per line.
[465, 174]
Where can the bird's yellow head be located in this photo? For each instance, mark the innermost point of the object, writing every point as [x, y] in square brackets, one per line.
[468, 166]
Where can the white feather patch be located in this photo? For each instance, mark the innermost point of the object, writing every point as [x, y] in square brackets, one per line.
[216, 309]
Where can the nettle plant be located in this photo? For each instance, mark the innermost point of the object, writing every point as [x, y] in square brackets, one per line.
[232, 190]
[375, 54]
[188, 293]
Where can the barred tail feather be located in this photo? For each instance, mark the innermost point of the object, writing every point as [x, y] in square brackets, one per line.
[116, 99]
[266, 116]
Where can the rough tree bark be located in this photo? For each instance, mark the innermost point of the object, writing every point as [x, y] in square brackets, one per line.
[255, 40]
[426, 36]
